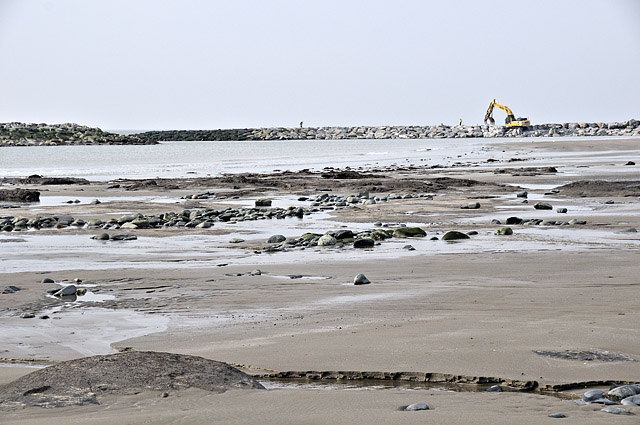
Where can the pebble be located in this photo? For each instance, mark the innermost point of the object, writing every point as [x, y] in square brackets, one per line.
[48, 280]
[27, 315]
[616, 411]
[557, 415]
[361, 279]
[10, 289]
[494, 389]
[416, 406]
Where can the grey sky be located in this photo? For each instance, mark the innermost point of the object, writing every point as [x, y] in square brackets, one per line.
[145, 64]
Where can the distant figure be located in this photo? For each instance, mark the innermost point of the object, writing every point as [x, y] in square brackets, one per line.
[300, 124]
[460, 121]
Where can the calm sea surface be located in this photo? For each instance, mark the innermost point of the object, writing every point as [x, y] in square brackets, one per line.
[199, 159]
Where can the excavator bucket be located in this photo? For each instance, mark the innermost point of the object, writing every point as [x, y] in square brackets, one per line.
[491, 121]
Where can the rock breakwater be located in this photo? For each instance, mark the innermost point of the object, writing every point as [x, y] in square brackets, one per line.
[21, 134]
[624, 128]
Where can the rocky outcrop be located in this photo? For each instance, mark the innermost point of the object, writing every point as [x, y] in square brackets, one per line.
[19, 195]
[86, 380]
[21, 134]
[624, 128]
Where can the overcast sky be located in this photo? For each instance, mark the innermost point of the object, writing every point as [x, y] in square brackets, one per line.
[124, 64]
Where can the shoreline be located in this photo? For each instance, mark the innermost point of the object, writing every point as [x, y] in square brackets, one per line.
[552, 305]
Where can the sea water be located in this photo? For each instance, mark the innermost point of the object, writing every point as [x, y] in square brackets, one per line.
[201, 159]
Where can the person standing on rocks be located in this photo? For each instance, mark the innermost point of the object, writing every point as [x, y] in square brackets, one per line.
[460, 121]
[300, 124]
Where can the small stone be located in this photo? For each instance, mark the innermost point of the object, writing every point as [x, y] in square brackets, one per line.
[95, 202]
[610, 202]
[592, 395]
[454, 235]
[10, 289]
[514, 220]
[364, 243]
[504, 231]
[48, 280]
[561, 210]
[101, 237]
[494, 389]
[495, 221]
[472, 233]
[407, 232]
[327, 240]
[416, 406]
[633, 400]
[276, 239]
[542, 206]
[27, 315]
[263, 202]
[630, 163]
[616, 411]
[361, 279]
[256, 272]
[236, 240]
[522, 194]
[557, 415]
[66, 291]
[409, 248]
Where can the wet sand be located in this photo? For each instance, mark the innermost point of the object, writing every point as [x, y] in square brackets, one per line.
[476, 308]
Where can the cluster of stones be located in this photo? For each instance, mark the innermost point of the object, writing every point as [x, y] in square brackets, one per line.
[328, 201]
[624, 128]
[538, 222]
[21, 134]
[202, 218]
[626, 395]
[362, 239]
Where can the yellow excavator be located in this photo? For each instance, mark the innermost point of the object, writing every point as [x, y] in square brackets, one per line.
[510, 121]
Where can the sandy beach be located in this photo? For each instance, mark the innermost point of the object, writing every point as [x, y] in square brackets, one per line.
[546, 312]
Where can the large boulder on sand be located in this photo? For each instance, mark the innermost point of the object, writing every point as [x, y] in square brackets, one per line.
[83, 381]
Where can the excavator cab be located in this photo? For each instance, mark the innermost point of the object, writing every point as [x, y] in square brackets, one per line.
[509, 121]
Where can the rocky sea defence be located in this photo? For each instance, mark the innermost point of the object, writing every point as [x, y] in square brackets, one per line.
[21, 134]
[623, 128]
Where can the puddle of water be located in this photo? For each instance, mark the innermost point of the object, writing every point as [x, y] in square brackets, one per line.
[87, 331]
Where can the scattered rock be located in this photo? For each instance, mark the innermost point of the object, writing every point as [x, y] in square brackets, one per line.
[494, 389]
[25, 316]
[276, 239]
[101, 237]
[561, 210]
[236, 240]
[409, 248]
[470, 206]
[361, 279]
[616, 411]
[592, 395]
[514, 220]
[624, 391]
[67, 290]
[557, 415]
[454, 235]
[364, 243]
[416, 406]
[10, 289]
[542, 206]
[504, 231]
[633, 400]
[522, 194]
[126, 237]
[630, 163]
[263, 202]
[406, 232]
[48, 280]
[327, 240]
